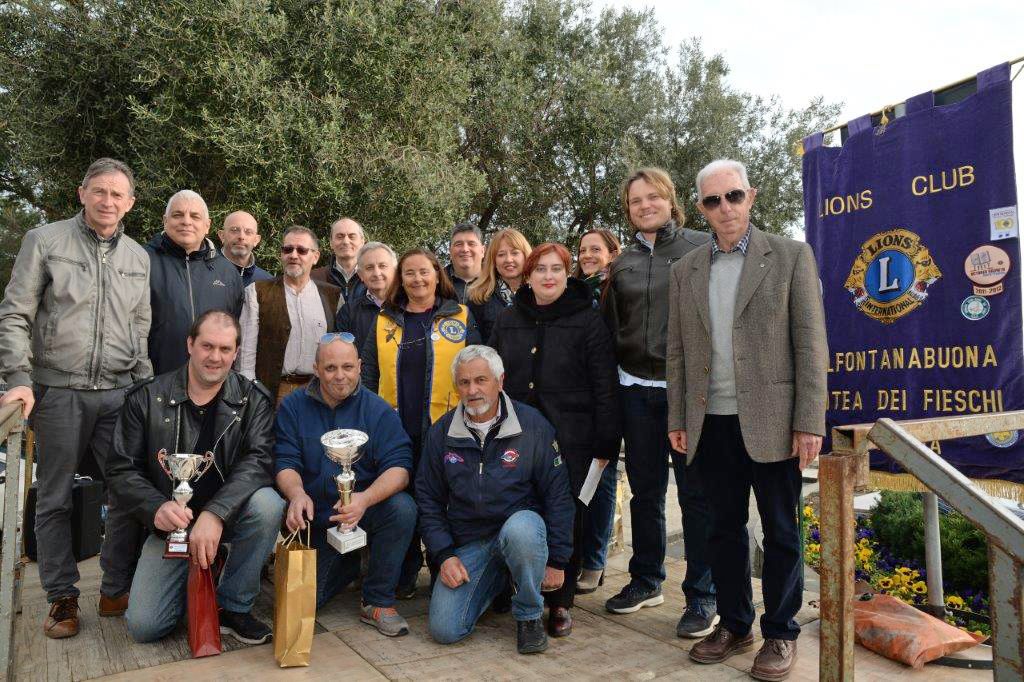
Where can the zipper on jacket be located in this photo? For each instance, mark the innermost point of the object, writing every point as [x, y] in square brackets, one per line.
[191, 298]
[213, 448]
[94, 373]
[647, 303]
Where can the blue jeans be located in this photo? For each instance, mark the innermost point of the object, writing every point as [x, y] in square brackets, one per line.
[519, 549]
[389, 526]
[597, 533]
[645, 417]
[157, 600]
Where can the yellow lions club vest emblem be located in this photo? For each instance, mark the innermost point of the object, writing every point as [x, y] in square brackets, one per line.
[891, 275]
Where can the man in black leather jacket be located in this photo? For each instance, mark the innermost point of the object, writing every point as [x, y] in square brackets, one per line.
[201, 407]
[637, 307]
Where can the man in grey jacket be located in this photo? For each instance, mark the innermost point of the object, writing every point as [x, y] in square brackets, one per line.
[73, 327]
[746, 363]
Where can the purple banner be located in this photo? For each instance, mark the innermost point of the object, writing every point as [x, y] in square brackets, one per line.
[914, 225]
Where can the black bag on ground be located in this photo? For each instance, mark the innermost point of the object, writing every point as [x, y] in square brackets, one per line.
[87, 498]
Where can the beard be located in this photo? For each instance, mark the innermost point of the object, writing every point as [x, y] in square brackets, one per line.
[294, 271]
[478, 410]
[240, 251]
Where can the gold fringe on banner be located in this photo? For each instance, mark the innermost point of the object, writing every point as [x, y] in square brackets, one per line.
[905, 483]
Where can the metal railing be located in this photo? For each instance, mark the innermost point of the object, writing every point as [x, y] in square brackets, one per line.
[846, 468]
[10, 549]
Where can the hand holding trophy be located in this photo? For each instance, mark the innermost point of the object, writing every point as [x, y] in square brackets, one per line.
[342, 446]
[182, 468]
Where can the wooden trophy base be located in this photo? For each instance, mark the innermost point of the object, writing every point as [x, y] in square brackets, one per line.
[176, 548]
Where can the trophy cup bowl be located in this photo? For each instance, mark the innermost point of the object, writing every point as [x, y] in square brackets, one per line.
[342, 447]
[182, 468]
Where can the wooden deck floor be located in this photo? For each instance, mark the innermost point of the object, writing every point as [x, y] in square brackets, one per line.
[640, 646]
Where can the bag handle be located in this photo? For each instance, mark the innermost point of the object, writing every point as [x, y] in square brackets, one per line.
[295, 534]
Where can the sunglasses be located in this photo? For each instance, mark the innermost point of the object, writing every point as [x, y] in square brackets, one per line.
[303, 250]
[337, 336]
[735, 196]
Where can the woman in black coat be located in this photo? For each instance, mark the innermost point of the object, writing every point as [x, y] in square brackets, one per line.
[559, 357]
[500, 278]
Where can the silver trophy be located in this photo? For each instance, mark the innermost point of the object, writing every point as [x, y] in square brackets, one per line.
[182, 468]
[342, 446]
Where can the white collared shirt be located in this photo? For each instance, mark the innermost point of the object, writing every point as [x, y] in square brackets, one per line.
[308, 324]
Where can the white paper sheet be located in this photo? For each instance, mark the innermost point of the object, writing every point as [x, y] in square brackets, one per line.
[593, 478]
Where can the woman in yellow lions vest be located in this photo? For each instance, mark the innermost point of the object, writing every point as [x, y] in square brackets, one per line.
[407, 359]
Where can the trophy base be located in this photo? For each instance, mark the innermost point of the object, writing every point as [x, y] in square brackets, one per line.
[176, 550]
[346, 542]
[177, 545]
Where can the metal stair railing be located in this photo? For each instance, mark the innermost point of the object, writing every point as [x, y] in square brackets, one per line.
[846, 467]
[10, 549]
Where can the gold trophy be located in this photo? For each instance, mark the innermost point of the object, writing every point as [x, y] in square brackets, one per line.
[182, 468]
[342, 446]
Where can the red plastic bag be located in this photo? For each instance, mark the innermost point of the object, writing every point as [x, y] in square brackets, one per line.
[203, 621]
[897, 630]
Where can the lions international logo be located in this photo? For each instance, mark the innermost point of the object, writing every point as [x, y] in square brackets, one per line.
[452, 329]
[1003, 439]
[891, 275]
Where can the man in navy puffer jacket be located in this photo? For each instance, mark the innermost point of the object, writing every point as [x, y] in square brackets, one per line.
[494, 501]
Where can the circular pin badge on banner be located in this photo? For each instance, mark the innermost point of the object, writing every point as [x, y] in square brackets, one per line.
[975, 307]
[987, 265]
[1003, 439]
[435, 337]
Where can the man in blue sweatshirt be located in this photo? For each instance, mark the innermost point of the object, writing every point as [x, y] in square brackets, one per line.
[334, 400]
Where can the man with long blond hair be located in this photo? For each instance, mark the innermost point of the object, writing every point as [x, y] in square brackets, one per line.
[637, 307]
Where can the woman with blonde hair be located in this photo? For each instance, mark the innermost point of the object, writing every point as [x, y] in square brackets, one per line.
[500, 278]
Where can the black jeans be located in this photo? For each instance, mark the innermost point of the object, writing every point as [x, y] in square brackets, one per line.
[645, 418]
[726, 468]
[565, 595]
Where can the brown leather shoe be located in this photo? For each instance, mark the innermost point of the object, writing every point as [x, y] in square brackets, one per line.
[775, 660]
[559, 622]
[63, 619]
[720, 645]
[113, 606]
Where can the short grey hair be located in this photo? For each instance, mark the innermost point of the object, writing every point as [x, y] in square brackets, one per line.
[481, 352]
[373, 246]
[466, 227]
[186, 194]
[719, 165]
[108, 165]
[302, 229]
[362, 233]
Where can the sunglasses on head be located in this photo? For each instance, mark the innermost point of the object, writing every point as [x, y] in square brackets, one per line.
[337, 336]
[303, 250]
[735, 196]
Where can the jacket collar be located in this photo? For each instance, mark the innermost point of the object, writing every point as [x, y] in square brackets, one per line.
[509, 428]
[665, 234]
[577, 296]
[756, 265]
[443, 307]
[91, 233]
[242, 269]
[231, 392]
[206, 251]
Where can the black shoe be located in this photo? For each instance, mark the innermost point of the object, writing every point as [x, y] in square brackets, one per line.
[634, 597]
[405, 592]
[530, 636]
[503, 602]
[243, 627]
[696, 622]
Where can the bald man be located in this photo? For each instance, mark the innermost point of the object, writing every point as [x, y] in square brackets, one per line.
[239, 237]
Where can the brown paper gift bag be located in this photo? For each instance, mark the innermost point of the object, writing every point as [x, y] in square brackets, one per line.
[294, 600]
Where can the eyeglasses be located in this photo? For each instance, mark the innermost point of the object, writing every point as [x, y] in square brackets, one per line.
[303, 250]
[337, 336]
[735, 196]
[237, 231]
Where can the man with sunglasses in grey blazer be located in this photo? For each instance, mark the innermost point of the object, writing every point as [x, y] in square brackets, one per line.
[746, 369]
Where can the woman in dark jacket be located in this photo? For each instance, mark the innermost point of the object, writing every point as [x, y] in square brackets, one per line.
[597, 249]
[559, 358]
[500, 277]
[407, 359]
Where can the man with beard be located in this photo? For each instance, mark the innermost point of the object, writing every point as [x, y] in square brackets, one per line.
[202, 407]
[283, 318]
[240, 236]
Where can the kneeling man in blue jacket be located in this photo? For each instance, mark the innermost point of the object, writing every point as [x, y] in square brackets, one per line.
[335, 400]
[495, 503]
